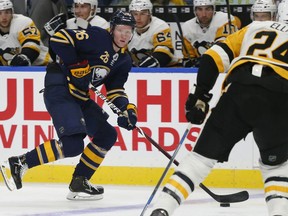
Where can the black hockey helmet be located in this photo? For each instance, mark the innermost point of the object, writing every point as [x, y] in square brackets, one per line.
[122, 18]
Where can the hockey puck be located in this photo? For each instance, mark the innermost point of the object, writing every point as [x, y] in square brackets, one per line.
[225, 204]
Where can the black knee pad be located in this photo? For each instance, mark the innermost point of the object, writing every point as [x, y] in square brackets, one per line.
[72, 145]
[107, 138]
[275, 156]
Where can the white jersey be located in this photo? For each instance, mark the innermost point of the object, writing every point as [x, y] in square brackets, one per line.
[198, 40]
[156, 39]
[22, 34]
[263, 42]
[95, 21]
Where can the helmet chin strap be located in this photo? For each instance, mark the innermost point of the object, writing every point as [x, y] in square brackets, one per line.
[116, 44]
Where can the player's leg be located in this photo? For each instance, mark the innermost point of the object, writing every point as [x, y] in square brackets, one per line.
[272, 140]
[222, 130]
[103, 138]
[276, 188]
[70, 126]
[182, 183]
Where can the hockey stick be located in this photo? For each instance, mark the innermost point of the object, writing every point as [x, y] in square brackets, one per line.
[182, 38]
[166, 169]
[229, 198]
[229, 16]
[181, 34]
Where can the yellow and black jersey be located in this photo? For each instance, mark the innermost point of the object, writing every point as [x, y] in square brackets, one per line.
[156, 39]
[23, 37]
[198, 39]
[264, 43]
[95, 21]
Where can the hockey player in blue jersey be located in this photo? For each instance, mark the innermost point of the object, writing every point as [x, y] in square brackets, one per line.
[88, 56]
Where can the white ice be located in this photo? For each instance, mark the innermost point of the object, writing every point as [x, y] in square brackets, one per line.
[50, 199]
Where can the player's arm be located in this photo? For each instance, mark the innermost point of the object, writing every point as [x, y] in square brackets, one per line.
[163, 50]
[214, 61]
[29, 39]
[224, 30]
[117, 95]
[63, 45]
[115, 84]
[190, 56]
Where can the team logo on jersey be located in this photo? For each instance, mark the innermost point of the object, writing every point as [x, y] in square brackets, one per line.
[7, 54]
[99, 73]
[202, 46]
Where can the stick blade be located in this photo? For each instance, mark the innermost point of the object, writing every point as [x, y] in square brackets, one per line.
[227, 198]
[234, 198]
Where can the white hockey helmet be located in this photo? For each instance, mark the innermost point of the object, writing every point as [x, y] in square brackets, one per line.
[6, 4]
[263, 6]
[139, 5]
[93, 4]
[282, 15]
[199, 3]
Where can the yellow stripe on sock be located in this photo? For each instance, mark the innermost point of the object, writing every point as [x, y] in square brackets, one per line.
[179, 187]
[276, 188]
[49, 151]
[92, 156]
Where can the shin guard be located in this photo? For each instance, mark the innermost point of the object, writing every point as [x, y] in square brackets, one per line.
[190, 172]
[90, 160]
[276, 188]
[47, 152]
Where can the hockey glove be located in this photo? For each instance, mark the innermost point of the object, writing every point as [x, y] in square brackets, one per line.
[20, 60]
[129, 119]
[194, 62]
[55, 24]
[149, 61]
[197, 106]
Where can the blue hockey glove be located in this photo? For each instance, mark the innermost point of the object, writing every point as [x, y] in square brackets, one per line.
[129, 119]
[20, 60]
[55, 24]
[149, 61]
[197, 106]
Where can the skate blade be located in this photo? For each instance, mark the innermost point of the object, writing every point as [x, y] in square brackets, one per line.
[9, 182]
[76, 196]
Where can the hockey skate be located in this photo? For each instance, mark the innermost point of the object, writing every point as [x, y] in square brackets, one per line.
[159, 212]
[18, 167]
[81, 189]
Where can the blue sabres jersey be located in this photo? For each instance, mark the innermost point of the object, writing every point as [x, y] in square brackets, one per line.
[95, 45]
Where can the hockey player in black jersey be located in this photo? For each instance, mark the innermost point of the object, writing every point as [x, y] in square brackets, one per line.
[88, 56]
[254, 100]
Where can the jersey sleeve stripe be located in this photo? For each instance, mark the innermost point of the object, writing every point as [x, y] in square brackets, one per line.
[217, 59]
[227, 50]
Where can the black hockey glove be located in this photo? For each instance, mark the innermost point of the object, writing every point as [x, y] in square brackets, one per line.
[129, 119]
[20, 60]
[55, 24]
[194, 62]
[197, 106]
[149, 61]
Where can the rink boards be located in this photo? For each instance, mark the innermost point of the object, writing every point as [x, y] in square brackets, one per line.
[160, 95]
